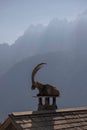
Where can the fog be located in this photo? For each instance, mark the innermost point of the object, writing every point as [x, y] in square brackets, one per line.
[16, 16]
[57, 35]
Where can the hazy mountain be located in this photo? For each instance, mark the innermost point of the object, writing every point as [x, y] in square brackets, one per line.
[25, 46]
[4, 57]
[63, 70]
[39, 39]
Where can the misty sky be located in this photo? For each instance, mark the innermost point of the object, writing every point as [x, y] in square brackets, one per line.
[17, 15]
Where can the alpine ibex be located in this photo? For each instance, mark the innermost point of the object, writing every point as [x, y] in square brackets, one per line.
[44, 89]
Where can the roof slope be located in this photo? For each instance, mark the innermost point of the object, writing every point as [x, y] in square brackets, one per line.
[49, 120]
[62, 119]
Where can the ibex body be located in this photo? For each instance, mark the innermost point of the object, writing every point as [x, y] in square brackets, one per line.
[44, 89]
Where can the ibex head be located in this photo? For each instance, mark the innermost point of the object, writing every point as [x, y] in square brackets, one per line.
[34, 84]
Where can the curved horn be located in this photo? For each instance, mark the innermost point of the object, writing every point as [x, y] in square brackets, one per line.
[35, 71]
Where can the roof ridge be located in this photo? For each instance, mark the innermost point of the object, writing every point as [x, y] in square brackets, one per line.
[48, 111]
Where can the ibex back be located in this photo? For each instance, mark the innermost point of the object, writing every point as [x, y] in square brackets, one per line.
[44, 89]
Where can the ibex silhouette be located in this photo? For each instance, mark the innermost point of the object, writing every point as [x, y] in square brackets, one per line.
[44, 89]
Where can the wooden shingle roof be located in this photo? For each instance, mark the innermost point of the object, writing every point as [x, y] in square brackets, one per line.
[62, 119]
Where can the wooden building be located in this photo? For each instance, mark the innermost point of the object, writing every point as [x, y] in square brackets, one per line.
[60, 119]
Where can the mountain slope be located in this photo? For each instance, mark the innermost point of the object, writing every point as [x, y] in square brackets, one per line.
[63, 70]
